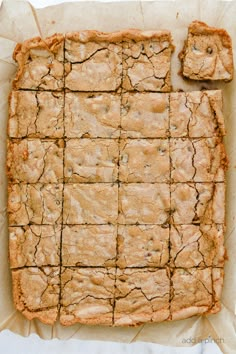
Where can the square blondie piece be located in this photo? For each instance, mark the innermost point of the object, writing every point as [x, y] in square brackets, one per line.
[34, 245]
[194, 203]
[142, 246]
[36, 114]
[35, 161]
[92, 115]
[197, 246]
[194, 292]
[207, 53]
[36, 292]
[95, 203]
[145, 115]
[136, 299]
[87, 296]
[196, 114]
[89, 245]
[197, 160]
[144, 160]
[91, 160]
[94, 61]
[34, 204]
[144, 203]
[146, 61]
[40, 64]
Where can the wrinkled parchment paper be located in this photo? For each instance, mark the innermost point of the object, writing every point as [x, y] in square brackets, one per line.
[20, 21]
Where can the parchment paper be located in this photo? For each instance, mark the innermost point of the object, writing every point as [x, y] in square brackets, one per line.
[19, 21]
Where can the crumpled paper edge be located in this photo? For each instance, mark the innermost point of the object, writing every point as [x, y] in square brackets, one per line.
[19, 21]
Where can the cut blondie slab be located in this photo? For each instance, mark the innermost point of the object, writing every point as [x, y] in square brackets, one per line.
[144, 203]
[207, 53]
[91, 160]
[34, 203]
[92, 115]
[36, 292]
[196, 114]
[194, 203]
[116, 187]
[40, 64]
[146, 61]
[195, 292]
[145, 115]
[94, 61]
[141, 295]
[35, 160]
[197, 160]
[34, 245]
[87, 295]
[95, 203]
[142, 246]
[197, 245]
[144, 160]
[36, 114]
[89, 245]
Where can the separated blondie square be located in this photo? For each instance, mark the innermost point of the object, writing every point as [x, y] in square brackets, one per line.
[207, 53]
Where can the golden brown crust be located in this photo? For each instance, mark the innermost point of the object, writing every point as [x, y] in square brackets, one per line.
[52, 45]
[36, 292]
[119, 36]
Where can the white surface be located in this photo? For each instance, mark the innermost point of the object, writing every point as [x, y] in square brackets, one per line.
[11, 343]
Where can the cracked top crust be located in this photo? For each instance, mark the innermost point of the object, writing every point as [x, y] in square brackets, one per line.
[87, 296]
[194, 292]
[40, 63]
[142, 246]
[142, 295]
[116, 190]
[35, 160]
[34, 245]
[207, 53]
[196, 114]
[89, 245]
[36, 292]
[35, 114]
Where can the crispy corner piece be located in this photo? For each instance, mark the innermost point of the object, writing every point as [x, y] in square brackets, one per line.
[207, 53]
[40, 63]
[36, 292]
